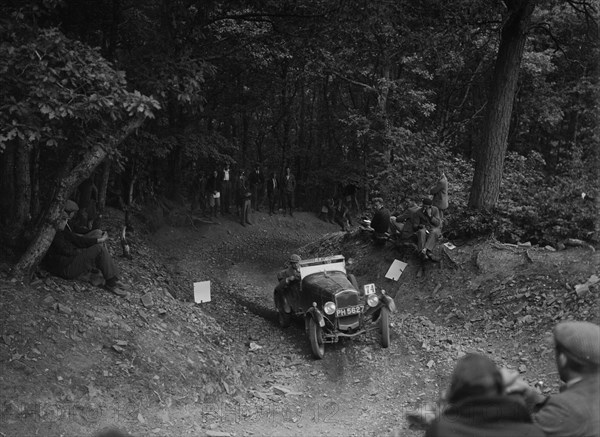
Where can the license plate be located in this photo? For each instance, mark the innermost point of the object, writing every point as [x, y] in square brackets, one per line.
[348, 311]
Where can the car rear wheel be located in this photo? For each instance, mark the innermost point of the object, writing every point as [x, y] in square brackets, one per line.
[315, 336]
[284, 319]
[384, 320]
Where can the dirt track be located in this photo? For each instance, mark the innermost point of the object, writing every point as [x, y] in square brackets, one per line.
[176, 373]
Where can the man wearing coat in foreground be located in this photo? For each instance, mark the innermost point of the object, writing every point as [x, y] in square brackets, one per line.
[575, 411]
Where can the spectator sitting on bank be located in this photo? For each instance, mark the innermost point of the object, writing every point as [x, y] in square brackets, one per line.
[77, 221]
[71, 255]
[479, 406]
[381, 218]
[574, 411]
[327, 211]
[401, 221]
[427, 226]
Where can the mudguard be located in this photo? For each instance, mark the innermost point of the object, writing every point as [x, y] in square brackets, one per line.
[280, 296]
[316, 315]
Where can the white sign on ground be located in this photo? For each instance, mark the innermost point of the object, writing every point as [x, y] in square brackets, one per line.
[202, 291]
[395, 270]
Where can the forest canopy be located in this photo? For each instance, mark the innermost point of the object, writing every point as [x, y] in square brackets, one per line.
[143, 95]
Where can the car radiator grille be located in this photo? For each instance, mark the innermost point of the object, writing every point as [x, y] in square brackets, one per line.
[346, 299]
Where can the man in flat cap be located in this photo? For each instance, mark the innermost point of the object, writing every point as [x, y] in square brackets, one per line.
[575, 411]
[289, 275]
[71, 255]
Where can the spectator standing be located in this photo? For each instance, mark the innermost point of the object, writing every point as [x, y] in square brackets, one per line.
[272, 192]
[213, 189]
[289, 191]
[574, 412]
[226, 182]
[440, 192]
[350, 196]
[257, 182]
[342, 215]
[201, 187]
[244, 197]
[479, 406]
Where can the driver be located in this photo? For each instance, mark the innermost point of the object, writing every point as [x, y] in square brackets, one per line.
[289, 275]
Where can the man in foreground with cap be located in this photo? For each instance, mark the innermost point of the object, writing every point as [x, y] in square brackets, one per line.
[289, 275]
[477, 404]
[70, 255]
[575, 411]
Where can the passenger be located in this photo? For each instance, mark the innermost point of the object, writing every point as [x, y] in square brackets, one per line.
[289, 275]
[574, 411]
[479, 406]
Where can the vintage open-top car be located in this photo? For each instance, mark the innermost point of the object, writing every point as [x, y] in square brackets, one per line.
[332, 305]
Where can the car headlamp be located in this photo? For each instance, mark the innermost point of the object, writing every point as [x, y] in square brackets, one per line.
[372, 300]
[329, 308]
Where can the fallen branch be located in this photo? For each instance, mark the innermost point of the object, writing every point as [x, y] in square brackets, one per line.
[575, 242]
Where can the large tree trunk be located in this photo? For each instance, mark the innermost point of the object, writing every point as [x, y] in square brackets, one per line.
[490, 158]
[25, 268]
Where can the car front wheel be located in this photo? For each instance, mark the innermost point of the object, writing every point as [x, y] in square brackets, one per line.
[315, 336]
[384, 320]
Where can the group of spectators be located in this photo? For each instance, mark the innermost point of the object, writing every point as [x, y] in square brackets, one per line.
[484, 400]
[221, 192]
[421, 223]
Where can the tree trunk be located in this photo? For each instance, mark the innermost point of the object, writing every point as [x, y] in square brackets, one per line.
[7, 184]
[36, 250]
[35, 208]
[22, 199]
[103, 188]
[490, 159]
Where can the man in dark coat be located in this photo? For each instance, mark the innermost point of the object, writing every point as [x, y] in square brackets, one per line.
[257, 183]
[574, 412]
[244, 196]
[381, 219]
[272, 192]
[289, 191]
[213, 189]
[71, 255]
[478, 405]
